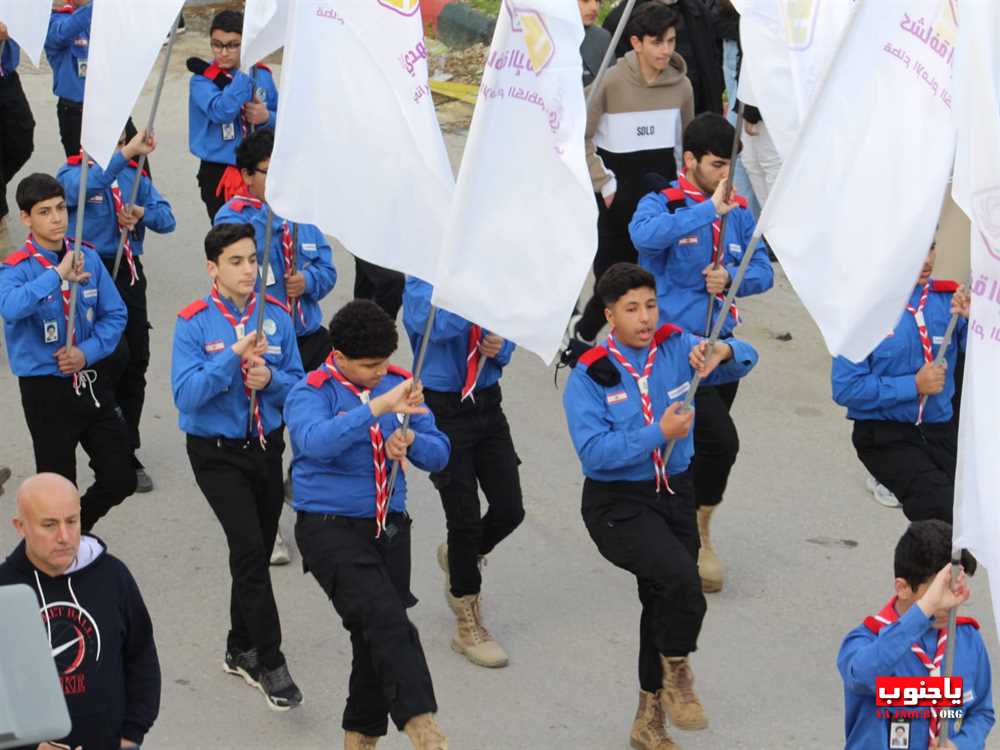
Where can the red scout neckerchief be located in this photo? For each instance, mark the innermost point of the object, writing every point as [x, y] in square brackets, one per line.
[472, 358]
[65, 291]
[378, 448]
[287, 251]
[642, 382]
[240, 328]
[888, 615]
[698, 196]
[925, 339]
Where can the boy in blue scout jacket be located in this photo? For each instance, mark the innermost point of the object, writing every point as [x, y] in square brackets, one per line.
[901, 402]
[462, 372]
[106, 213]
[313, 276]
[67, 46]
[344, 420]
[676, 231]
[218, 362]
[17, 128]
[622, 404]
[224, 106]
[907, 638]
[66, 391]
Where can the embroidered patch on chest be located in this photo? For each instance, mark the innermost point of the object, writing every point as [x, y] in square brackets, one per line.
[617, 397]
[88, 293]
[691, 239]
[215, 346]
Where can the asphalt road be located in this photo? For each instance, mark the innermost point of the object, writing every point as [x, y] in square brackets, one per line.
[809, 552]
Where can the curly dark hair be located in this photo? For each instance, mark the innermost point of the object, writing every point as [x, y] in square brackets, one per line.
[923, 550]
[255, 149]
[363, 330]
[621, 279]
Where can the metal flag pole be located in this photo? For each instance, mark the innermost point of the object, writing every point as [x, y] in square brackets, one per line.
[949, 646]
[81, 201]
[610, 52]
[418, 366]
[149, 131]
[725, 219]
[262, 300]
[717, 328]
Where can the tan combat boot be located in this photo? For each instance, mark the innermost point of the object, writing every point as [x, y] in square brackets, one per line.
[358, 741]
[686, 711]
[472, 639]
[442, 558]
[425, 734]
[709, 565]
[648, 729]
[6, 244]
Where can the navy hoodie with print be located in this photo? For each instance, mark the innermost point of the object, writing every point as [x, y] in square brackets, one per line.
[102, 644]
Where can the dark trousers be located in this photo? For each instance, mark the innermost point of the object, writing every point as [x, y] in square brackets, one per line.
[70, 115]
[917, 464]
[59, 420]
[130, 360]
[368, 582]
[209, 174]
[716, 442]
[17, 131]
[482, 455]
[382, 286]
[613, 246]
[243, 484]
[314, 348]
[655, 538]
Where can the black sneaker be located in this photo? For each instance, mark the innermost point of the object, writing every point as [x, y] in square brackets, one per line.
[243, 664]
[279, 689]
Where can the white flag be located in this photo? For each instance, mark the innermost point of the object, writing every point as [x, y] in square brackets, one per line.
[27, 24]
[787, 46]
[977, 190]
[523, 229]
[853, 212]
[125, 39]
[265, 23]
[358, 150]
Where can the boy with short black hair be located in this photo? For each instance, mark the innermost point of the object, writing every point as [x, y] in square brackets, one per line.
[622, 404]
[633, 127]
[677, 231]
[224, 106]
[66, 391]
[344, 421]
[907, 638]
[106, 213]
[219, 368]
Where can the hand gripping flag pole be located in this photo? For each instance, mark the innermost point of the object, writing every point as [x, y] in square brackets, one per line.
[418, 367]
[720, 250]
[78, 241]
[949, 646]
[142, 157]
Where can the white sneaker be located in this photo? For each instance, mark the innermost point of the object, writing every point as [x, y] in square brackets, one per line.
[279, 555]
[882, 494]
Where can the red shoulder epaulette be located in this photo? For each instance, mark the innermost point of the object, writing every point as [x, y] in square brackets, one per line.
[664, 332]
[875, 625]
[316, 378]
[740, 201]
[75, 160]
[135, 165]
[212, 71]
[394, 370]
[14, 258]
[593, 355]
[67, 8]
[278, 303]
[239, 202]
[262, 66]
[193, 309]
[673, 194]
[944, 285]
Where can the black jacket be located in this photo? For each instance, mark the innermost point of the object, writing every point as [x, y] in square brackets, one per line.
[102, 643]
[698, 42]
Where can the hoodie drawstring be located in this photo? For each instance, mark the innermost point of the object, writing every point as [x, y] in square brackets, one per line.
[45, 607]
